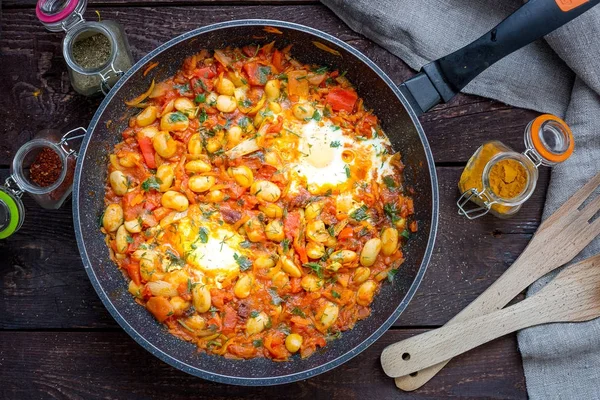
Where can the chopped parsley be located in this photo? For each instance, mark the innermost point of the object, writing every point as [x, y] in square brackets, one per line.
[298, 312]
[177, 116]
[257, 343]
[263, 74]
[316, 268]
[245, 103]
[285, 329]
[203, 235]
[254, 314]
[331, 230]
[152, 183]
[182, 89]
[202, 117]
[174, 259]
[391, 211]
[391, 274]
[405, 234]
[335, 294]
[275, 299]
[201, 83]
[290, 131]
[335, 143]
[243, 122]
[100, 219]
[360, 214]
[389, 182]
[327, 254]
[320, 70]
[207, 214]
[285, 244]
[129, 239]
[317, 115]
[347, 169]
[200, 98]
[245, 244]
[243, 261]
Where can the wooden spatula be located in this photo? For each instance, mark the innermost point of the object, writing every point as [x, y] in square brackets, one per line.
[572, 296]
[557, 241]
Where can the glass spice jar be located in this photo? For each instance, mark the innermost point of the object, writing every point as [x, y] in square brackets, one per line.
[44, 168]
[97, 53]
[499, 180]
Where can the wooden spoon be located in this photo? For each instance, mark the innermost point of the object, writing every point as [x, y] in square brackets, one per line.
[557, 241]
[572, 296]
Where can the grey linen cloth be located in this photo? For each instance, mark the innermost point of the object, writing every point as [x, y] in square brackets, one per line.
[558, 75]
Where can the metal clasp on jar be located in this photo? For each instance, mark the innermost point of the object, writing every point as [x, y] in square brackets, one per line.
[478, 198]
[63, 144]
[12, 186]
[105, 77]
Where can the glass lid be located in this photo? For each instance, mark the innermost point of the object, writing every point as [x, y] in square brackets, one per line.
[59, 15]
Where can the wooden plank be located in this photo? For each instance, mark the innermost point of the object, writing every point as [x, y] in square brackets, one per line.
[91, 365]
[32, 61]
[45, 286]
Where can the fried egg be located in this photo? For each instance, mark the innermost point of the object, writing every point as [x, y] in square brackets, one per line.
[329, 159]
[209, 247]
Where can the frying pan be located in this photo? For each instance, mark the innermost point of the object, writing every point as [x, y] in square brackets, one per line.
[397, 108]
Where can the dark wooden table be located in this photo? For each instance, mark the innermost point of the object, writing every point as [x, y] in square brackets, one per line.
[56, 338]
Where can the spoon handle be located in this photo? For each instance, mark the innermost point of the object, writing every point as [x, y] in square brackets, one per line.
[501, 292]
[573, 295]
[430, 348]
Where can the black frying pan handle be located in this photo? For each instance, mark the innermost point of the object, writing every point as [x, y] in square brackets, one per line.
[442, 79]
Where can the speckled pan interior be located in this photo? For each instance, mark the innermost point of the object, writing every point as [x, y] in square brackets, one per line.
[398, 121]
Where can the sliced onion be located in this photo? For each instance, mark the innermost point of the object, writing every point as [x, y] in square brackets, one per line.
[258, 106]
[246, 147]
[172, 217]
[326, 48]
[160, 89]
[142, 96]
[222, 58]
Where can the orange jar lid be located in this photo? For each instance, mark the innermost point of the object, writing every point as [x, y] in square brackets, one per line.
[551, 138]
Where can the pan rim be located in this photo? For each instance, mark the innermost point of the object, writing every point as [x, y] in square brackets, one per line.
[236, 380]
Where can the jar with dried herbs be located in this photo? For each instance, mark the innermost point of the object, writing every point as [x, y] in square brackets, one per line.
[499, 180]
[97, 53]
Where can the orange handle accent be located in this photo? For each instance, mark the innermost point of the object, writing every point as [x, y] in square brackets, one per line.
[568, 5]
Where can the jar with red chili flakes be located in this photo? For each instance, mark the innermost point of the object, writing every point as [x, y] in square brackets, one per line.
[44, 168]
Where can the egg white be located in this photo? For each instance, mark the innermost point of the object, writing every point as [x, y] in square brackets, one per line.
[216, 258]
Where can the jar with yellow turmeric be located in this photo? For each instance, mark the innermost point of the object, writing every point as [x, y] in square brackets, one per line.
[499, 180]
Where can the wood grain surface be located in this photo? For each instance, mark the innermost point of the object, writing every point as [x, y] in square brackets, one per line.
[86, 365]
[56, 338]
[32, 62]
